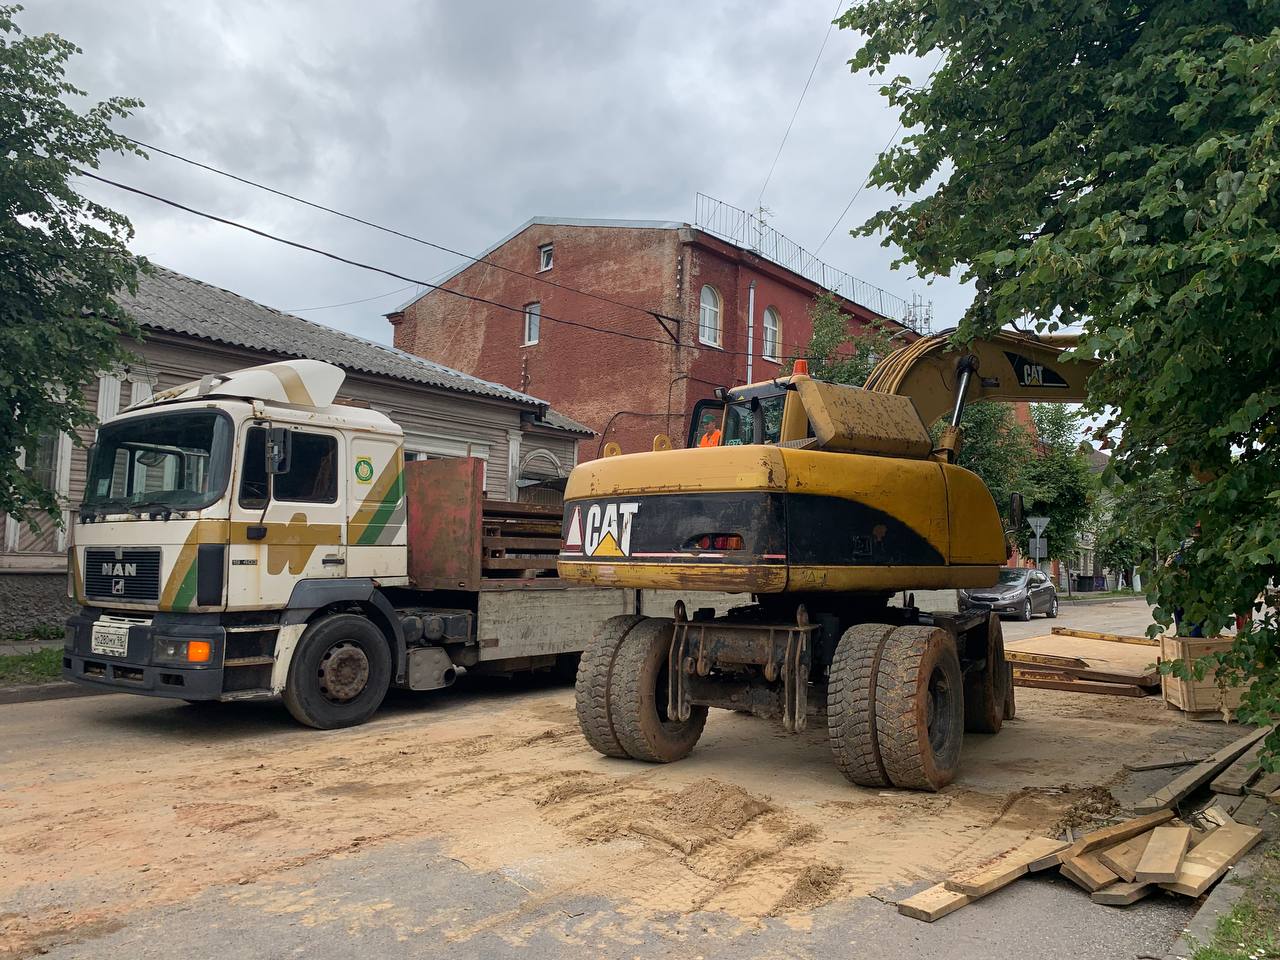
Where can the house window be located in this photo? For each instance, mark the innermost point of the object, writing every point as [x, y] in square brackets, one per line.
[42, 460]
[772, 334]
[532, 322]
[545, 256]
[709, 316]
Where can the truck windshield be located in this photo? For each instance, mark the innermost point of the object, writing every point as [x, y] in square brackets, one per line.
[744, 415]
[175, 461]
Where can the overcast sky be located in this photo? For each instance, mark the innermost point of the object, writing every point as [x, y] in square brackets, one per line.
[457, 121]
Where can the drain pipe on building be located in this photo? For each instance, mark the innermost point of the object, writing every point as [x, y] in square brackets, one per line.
[751, 327]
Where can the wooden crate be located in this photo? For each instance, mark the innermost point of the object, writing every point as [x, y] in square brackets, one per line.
[1197, 696]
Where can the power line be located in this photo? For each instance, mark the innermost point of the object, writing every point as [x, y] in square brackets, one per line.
[867, 179]
[796, 111]
[391, 230]
[348, 303]
[391, 273]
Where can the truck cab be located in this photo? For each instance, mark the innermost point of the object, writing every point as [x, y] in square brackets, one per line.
[217, 517]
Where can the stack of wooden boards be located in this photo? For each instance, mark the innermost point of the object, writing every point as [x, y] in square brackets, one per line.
[1083, 661]
[519, 539]
[1244, 789]
[1124, 862]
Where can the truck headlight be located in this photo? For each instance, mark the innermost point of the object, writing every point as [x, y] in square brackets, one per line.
[183, 651]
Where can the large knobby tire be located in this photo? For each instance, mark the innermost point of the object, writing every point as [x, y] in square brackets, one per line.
[591, 689]
[1010, 704]
[638, 698]
[339, 673]
[985, 690]
[851, 704]
[920, 707]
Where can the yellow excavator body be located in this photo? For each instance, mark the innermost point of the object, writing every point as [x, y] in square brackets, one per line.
[795, 485]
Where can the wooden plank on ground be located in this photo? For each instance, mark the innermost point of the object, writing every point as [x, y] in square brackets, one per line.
[1030, 678]
[1117, 832]
[1183, 784]
[1005, 868]
[1123, 894]
[1088, 872]
[1046, 660]
[1122, 859]
[1164, 854]
[1212, 857]
[1097, 654]
[929, 905]
[1112, 637]
[1251, 811]
[1236, 777]
[1163, 764]
[1264, 787]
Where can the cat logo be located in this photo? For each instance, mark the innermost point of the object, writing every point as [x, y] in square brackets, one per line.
[1032, 374]
[606, 531]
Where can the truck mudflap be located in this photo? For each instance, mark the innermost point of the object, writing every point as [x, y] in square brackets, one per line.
[779, 650]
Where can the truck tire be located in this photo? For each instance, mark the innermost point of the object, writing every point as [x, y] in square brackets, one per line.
[985, 690]
[851, 704]
[339, 673]
[920, 707]
[1010, 706]
[638, 698]
[591, 689]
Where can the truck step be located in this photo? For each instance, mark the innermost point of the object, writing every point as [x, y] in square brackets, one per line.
[248, 661]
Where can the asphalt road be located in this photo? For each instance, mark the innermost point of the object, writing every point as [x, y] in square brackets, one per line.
[409, 896]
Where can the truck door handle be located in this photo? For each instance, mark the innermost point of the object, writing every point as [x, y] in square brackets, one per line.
[332, 561]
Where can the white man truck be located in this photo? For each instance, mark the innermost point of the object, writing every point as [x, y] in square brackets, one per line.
[244, 536]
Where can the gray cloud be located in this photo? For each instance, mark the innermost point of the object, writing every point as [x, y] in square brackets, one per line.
[458, 121]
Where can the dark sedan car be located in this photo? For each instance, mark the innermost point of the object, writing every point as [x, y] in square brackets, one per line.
[1020, 591]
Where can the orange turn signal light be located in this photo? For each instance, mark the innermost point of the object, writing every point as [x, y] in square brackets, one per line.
[199, 651]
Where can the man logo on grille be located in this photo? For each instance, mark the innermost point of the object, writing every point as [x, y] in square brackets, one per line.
[117, 587]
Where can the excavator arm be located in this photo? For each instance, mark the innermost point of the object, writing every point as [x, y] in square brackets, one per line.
[942, 379]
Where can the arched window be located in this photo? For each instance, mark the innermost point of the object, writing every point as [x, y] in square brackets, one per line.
[772, 333]
[709, 316]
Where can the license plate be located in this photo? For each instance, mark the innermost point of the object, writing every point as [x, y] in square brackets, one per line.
[110, 639]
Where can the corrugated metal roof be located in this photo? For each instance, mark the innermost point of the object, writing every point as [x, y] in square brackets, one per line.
[175, 303]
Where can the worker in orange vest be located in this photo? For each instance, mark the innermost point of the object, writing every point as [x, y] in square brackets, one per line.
[709, 431]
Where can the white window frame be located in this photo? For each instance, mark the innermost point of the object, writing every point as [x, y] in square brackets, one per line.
[771, 356]
[532, 310]
[546, 257]
[716, 313]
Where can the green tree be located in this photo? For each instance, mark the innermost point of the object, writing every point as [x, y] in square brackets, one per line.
[63, 257]
[1057, 481]
[1113, 164]
[838, 355]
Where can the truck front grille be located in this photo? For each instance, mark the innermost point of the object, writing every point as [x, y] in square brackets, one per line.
[125, 574]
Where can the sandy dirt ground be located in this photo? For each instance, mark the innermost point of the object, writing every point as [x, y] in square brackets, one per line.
[114, 805]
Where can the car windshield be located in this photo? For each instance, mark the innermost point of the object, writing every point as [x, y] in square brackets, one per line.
[742, 415]
[177, 461]
[1013, 576]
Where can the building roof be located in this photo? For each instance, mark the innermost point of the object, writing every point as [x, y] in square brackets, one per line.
[546, 222]
[172, 302]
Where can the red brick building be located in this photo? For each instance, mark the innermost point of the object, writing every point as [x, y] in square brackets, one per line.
[728, 316]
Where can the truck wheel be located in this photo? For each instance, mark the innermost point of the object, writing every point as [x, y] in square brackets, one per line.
[851, 704]
[985, 690]
[1010, 706]
[339, 674]
[638, 698]
[591, 689]
[920, 707]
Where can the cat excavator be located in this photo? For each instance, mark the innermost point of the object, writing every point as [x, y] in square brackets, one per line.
[823, 502]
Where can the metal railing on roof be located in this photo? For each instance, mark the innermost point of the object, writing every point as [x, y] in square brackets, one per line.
[748, 231]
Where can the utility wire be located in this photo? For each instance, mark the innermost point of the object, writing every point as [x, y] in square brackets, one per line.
[796, 111]
[391, 273]
[391, 230]
[348, 303]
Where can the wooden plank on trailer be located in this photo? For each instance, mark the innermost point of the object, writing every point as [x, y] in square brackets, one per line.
[1122, 859]
[1240, 774]
[522, 543]
[518, 563]
[1005, 868]
[1164, 854]
[1123, 894]
[1212, 857]
[929, 905]
[1264, 787]
[1088, 872]
[1185, 783]
[1111, 637]
[1027, 678]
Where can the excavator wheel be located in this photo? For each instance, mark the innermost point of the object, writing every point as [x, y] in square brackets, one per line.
[591, 689]
[638, 698]
[1010, 706]
[851, 704]
[920, 707]
[985, 691]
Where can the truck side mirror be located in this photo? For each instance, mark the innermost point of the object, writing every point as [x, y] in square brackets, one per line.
[1015, 510]
[279, 448]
